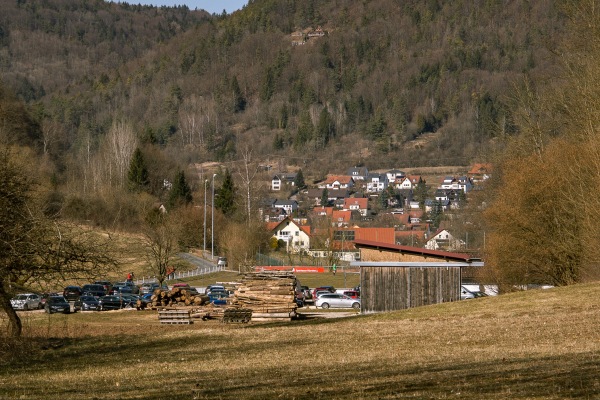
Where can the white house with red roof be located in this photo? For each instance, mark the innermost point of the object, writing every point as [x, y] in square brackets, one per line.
[295, 236]
[337, 182]
[357, 204]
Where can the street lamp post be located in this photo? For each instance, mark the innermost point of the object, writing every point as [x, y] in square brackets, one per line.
[212, 230]
[205, 183]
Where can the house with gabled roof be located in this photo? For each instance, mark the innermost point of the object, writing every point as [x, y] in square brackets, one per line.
[334, 182]
[394, 175]
[444, 240]
[333, 195]
[288, 205]
[322, 211]
[341, 217]
[359, 204]
[295, 236]
[480, 172]
[279, 180]
[377, 183]
[358, 173]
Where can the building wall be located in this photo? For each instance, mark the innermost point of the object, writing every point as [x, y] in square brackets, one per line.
[398, 288]
[385, 288]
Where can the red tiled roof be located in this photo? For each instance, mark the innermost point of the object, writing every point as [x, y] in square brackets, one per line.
[480, 168]
[320, 210]
[361, 202]
[404, 234]
[382, 235]
[338, 215]
[342, 179]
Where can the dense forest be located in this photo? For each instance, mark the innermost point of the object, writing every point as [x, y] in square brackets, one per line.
[117, 100]
[389, 84]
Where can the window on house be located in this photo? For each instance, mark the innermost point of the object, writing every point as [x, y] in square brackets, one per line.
[297, 233]
[284, 233]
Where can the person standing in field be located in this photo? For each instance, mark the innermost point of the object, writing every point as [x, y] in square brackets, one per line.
[334, 268]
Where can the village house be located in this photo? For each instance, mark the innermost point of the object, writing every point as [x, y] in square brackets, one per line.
[334, 182]
[281, 179]
[480, 172]
[359, 204]
[296, 237]
[358, 173]
[444, 240]
[290, 206]
[395, 175]
[333, 195]
[377, 183]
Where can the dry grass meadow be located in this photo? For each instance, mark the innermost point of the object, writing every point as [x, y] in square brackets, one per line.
[529, 345]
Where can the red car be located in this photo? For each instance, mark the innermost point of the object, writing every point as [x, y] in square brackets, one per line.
[352, 293]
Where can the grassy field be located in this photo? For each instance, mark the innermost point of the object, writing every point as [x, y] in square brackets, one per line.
[530, 345]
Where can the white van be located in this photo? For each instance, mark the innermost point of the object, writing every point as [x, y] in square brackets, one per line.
[222, 262]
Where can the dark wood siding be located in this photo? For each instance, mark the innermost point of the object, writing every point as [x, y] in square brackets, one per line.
[397, 288]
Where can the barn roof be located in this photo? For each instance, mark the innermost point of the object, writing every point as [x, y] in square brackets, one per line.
[445, 255]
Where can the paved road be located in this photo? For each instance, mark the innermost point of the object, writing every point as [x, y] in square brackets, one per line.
[198, 261]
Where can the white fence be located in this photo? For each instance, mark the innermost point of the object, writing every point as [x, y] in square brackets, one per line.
[182, 274]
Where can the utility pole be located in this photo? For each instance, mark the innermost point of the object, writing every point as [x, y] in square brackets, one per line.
[212, 230]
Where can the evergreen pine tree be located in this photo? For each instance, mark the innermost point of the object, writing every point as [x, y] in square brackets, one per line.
[325, 198]
[180, 194]
[138, 173]
[225, 199]
[239, 102]
[299, 181]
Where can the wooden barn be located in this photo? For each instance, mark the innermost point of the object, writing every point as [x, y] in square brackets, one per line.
[395, 277]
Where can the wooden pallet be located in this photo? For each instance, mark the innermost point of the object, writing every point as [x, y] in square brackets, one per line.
[174, 317]
[237, 315]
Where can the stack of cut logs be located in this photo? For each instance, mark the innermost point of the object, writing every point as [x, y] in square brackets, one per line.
[175, 297]
[270, 295]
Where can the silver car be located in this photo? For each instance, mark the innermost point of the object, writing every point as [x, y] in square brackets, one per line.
[337, 300]
[26, 301]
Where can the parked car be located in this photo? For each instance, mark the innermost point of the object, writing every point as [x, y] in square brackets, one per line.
[181, 285]
[329, 289]
[352, 293]
[470, 294]
[337, 300]
[308, 296]
[72, 293]
[44, 298]
[147, 298]
[218, 298]
[125, 287]
[320, 293]
[211, 288]
[93, 290]
[114, 302]
[151, 287]
[26, 301]
[57, 304]
[107, 286]
[87, 303]
[222, 262]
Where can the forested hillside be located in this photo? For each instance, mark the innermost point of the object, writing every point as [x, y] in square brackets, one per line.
[416, 82]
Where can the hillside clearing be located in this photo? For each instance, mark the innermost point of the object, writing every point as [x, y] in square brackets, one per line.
[530, 345]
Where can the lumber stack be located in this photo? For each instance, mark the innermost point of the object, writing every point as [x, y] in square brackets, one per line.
[270, 295]
[175, 297]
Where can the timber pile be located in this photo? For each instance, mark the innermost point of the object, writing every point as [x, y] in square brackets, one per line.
[175, 297]
[271, 295]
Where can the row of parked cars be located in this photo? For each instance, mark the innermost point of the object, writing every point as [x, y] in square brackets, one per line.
[328, 297]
